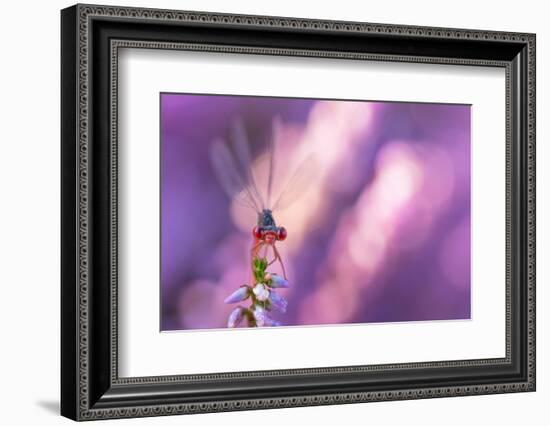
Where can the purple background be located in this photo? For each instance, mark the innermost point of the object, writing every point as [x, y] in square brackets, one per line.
[381, 234]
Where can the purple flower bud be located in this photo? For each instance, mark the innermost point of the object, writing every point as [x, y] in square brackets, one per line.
[278, 282]
[261, 292]
[260, 315]
[277, 302]
[238, 295]
[235, 317]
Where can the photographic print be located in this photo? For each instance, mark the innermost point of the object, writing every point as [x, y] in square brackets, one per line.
[298, 212]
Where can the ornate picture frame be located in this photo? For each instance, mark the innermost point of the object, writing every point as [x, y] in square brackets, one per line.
[91, 37]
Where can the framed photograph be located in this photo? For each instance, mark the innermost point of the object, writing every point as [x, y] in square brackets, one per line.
[263, 212]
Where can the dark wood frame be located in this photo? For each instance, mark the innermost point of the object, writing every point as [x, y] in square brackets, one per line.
[91, 37]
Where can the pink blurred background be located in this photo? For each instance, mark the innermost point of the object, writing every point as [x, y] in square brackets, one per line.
[381, 234]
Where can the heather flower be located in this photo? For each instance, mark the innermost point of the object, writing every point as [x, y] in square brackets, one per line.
[238, 295]
[277, 302]
[276, 281]
[261, 292]
[260, 315]
[236, 316]
[262, 296]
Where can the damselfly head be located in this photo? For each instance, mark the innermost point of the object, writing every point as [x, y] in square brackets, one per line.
[269, 234]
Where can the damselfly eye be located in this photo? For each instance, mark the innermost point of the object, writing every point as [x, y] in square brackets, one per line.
[281, 234]
[257, 232]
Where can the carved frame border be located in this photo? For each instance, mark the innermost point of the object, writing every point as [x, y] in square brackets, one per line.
[85, 13]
